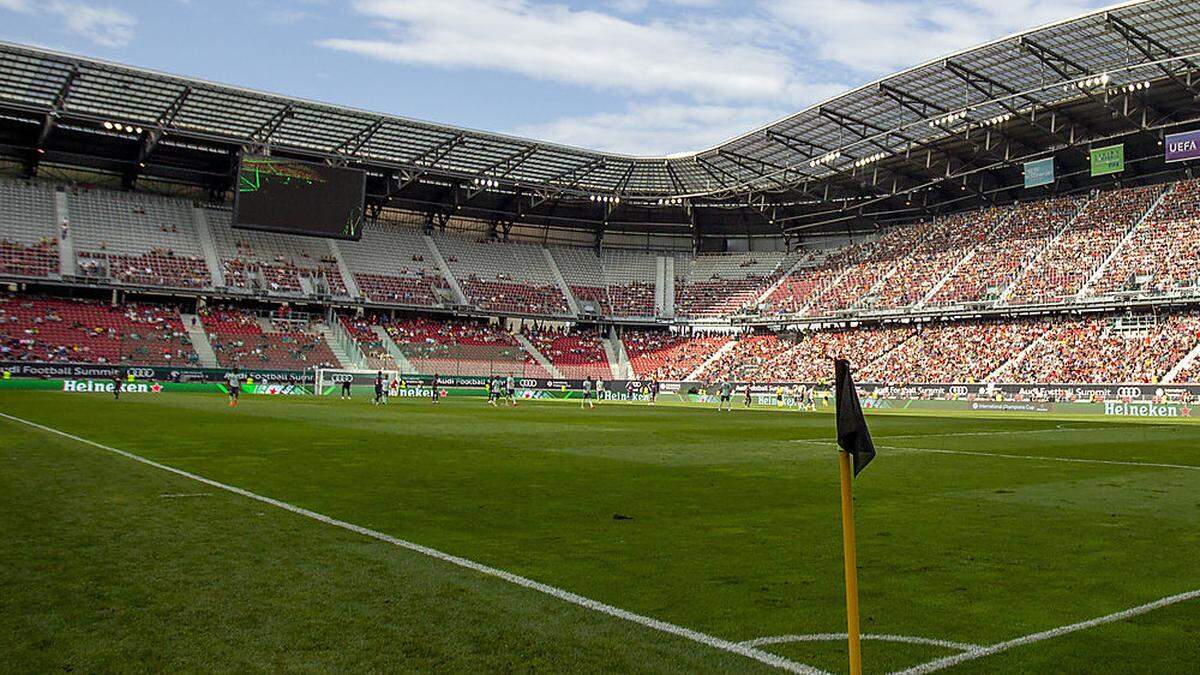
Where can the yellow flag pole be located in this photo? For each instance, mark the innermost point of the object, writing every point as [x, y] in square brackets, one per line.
[851, 563]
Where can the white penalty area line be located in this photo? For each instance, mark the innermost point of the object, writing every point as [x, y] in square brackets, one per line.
[1002, 455]
[553, 591]
[950, 661]
[841, 637]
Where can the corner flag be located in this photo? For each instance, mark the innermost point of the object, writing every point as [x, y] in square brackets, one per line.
[853, 435]
[854, 439]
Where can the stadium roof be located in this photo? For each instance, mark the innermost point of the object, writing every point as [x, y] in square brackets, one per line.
[1128, 69]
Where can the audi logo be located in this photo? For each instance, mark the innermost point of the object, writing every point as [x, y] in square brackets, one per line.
[342, 377]
[528, 383]
[958, 390]
[1132, 392]
[141, 372]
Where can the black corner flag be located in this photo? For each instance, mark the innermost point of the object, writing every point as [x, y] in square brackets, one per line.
[853, 435]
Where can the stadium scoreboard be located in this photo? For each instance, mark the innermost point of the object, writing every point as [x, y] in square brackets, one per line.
[295, 197]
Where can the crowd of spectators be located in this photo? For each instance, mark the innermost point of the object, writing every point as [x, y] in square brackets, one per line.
[79, 331]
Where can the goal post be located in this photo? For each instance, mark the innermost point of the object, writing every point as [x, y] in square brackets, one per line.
[330, 380]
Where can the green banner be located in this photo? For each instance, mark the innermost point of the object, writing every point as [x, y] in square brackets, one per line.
[1109, 159]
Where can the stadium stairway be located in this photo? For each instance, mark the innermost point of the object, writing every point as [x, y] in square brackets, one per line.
[392, 349]
[66, 242]
[342, 344]
[344, 270]
[209, 247]
[998, 374]
[1183, 365]
[625, 366]
[537, 356]
[199, 339]
[946, 278]
[712, 358]
[459, 296]
[616, 368]
[1035, 262]
[1098, 274]
[572, 304]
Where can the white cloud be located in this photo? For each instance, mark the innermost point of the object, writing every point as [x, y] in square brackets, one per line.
[883, 36]
[553, 42]
[105, 26]
[654, 129]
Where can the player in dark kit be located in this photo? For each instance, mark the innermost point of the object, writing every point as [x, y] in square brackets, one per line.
[378, 388]
[436, 378]
[746, 401]
[346, 388]
[654, 386]
[116, 378]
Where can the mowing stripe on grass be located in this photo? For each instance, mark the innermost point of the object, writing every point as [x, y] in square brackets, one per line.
[839, 637]
[949, 661]
[566, 596]
[1002, 455]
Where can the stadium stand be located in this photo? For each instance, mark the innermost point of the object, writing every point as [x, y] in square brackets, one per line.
[392, 264]
[1163, 253]
[462, 347]
[70, 331]
[860, 279]
[361, 329]
[938, 252]
[665, 356]
[955, 352]
[238, 338]
[136, 239]
[630, 278]
[1011, 245]
[1069, 262]
[584, 272]
[576, 355]
[1139, 349]
[721, 284]
[28, 240]
[504, 277]
[277, 264]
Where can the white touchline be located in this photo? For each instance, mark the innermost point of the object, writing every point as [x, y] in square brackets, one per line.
[566, 596]
[1001, 455]
[837, 637]
[956, 659]
[1057, 430]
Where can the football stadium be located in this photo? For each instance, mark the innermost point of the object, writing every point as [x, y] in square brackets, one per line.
[297, 387]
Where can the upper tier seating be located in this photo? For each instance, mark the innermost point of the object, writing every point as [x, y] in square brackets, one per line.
[630, 278]
[1163, 252]
[69, 331]
[1011, 245]
[278, 264]
[392, 264]
[584, 272]
[718, 285]
[28, 233]
[1070, 261]
[135, 238]
[504, 277]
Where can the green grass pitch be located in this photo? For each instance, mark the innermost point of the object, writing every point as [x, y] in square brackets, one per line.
[732, 530]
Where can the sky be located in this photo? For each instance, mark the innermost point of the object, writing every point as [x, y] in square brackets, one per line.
[640, 77]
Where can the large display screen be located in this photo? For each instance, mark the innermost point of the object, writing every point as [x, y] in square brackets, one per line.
[287, 195]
